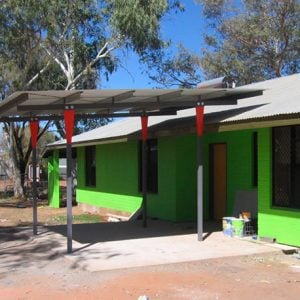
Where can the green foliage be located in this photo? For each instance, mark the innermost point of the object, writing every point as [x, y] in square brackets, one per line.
[64, 28]
[213, 8]
[181, 69]
[138, 22]
[66, 36]
[70, 44]
[252, 40]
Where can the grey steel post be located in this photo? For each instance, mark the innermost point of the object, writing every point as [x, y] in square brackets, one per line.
[144, 180]
[34, 190]
[200, 189]
[69, 198]
[200, 125]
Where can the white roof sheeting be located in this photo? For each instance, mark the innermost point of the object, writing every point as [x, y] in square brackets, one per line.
[46, 104]
[281, 97]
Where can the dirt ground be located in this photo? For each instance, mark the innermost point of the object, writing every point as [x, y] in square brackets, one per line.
[40, 275]
[16, 213]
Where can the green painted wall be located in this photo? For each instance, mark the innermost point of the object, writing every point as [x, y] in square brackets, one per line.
[186, 178]
[163, 204]
[116, 177]
[53, 180]
[239, 164]
[275, 222]
[117, 180]
[176, 200]
[178, 159]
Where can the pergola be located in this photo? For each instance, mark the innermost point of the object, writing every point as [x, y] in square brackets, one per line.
[35, 106]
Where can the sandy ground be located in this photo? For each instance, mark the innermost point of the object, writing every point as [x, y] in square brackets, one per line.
[33, 271]
[15, 213]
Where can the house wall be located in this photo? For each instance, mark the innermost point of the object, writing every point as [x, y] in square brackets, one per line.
[163, 204]
[116, 177]
[239, 164]
[178, 159]
[176, 200]
[274, 222]
[117, 180]
[53, 180]
[186, 177]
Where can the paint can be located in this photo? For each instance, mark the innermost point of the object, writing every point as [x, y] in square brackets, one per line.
[238, 227]
[227, 226]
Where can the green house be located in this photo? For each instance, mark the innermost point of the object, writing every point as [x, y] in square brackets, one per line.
[251, 154]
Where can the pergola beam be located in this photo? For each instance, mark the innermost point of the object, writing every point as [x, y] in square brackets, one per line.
[8, 104]
[22, 118]
[129, 105]
[100, 105]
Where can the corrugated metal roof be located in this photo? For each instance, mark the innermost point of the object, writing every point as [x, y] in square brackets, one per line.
[281, 97]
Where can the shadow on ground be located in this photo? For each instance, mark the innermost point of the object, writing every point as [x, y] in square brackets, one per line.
[15, 203]
[104, 232]
[18, 248]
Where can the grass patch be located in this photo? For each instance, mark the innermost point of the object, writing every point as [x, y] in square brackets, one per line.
[83, 218]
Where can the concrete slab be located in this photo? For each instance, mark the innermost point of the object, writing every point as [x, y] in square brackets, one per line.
[111, 246]
[127, 244]
[162, 250]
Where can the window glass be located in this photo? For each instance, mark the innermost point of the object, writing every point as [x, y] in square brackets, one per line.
[152, 178]
[286, 166]
[90, 166]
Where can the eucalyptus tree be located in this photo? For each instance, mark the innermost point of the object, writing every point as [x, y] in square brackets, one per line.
[70, 44]
[251, 40]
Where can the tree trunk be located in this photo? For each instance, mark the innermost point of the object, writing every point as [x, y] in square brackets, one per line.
[18, 187]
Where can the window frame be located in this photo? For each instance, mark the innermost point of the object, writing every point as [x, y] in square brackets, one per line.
[152, 174]
[293, 203]
[90, 166]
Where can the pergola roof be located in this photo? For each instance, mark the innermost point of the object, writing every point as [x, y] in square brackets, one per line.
[109, 103]
[46, 105]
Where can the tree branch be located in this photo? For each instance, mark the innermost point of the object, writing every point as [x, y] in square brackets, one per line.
[102, 53]
[44, 129]
[52, 55]
[37, 75]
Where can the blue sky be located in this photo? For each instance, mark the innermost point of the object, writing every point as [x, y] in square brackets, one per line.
[183, 27]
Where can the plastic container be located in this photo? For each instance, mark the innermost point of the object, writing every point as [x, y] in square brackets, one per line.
[233, 226]
[227, 225]
[238, 227]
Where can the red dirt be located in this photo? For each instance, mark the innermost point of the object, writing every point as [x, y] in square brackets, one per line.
[270, 276]
[43, 276]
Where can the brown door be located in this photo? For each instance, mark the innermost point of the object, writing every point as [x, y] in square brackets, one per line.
[218, 180]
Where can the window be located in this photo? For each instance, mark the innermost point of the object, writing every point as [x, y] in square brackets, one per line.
[152, 185]
[286, 166]
[90, 166]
